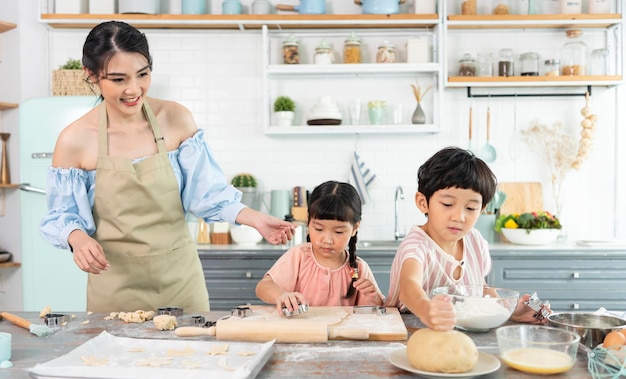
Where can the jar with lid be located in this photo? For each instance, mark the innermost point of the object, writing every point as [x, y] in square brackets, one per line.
[484, 64]
[529, 63]
[600, 62]
[553, 67]
[324, 54]
[574, 54]
[352, 49]
[505, 62]
[599, 6]
[571, 6]
[467, 65]
[290, 50]
[386, 53]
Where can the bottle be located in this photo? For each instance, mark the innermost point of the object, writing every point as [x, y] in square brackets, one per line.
[505, 62]
[574, 54]
[323, 54]
[352, 49]
[386, 53]
[467, 65]
[290, 50]
[529, 63]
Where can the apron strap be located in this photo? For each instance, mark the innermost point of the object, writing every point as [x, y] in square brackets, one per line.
[156, 130]
[103, 141]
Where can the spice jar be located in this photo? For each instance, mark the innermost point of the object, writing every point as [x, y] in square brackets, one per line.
[290, 50]
[600, 62]
[467, 66]
[553, 67]
[323, 54]
[505, 62]
[352, 49]
[386, 53]
[529, 63]
[484, 64]
[574, 54]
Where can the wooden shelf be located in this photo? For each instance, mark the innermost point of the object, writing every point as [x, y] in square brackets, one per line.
[353, 129]
[10, 264]
[5, 106]
[6, 26]
[533, 21]
[245, 21]
[10, 186]
[533, 81]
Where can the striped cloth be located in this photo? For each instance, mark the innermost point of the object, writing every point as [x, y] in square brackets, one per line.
[360, 177]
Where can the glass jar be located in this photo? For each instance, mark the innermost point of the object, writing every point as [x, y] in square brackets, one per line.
[468, 7]
[352, 49]
[484, 65]
[571, 6]
[323, 54]
[505, 62]
[599, 6]
[386, 53]
[600, 62]
[467, 65]
[553, 67]
[290, 50]
[529, 63]
[574, 54]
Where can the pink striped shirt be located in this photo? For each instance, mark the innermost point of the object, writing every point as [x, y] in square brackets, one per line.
[298, 271]
[439, 265]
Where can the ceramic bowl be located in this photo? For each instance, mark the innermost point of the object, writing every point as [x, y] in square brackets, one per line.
[245, 235]
[480, 308]
[536, 349]
[4, 256]
[534, 237]
[590, 327]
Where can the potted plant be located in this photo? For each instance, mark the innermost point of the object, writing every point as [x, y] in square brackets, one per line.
[284, 111]
[247, 184]
[534, 228]
[69, 80]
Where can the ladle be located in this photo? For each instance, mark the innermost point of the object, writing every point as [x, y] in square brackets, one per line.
[488, 152]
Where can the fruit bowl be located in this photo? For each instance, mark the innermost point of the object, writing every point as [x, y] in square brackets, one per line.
[479, 308]
[537, 349]
[531, 237]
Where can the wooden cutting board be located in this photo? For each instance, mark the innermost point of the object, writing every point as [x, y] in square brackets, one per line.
[521, 197]
[318, 324]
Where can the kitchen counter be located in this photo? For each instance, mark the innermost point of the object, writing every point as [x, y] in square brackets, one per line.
[335, 359]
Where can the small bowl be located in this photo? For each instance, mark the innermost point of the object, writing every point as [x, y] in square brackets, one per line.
[537, 349]
[590, 327]
[532, 237]
[245, 235]
[479, 308]
[4, 256]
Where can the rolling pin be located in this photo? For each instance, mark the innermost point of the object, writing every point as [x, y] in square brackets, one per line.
[194, 331]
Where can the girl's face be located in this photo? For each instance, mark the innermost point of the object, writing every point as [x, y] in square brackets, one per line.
[452, 212]
[126, 81]
[330, 238]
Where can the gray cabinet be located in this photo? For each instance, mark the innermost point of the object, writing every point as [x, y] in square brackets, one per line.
[232, 273]
[573, 278]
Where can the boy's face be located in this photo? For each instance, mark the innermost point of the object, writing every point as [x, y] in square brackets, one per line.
[452, 213]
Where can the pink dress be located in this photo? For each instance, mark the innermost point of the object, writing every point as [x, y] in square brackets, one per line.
[439, 265]
[298, 271]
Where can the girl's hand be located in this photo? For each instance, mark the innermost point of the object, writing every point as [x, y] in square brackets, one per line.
[368, 290]
[88, 253]
[524, 313]
[290, 300]
[440, 313]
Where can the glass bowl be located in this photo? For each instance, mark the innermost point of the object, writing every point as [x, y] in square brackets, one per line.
[537, 349]
[479, 308]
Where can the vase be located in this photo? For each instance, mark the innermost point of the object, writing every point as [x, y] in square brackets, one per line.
[419, 117]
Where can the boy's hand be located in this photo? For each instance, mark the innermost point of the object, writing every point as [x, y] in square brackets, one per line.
[367, 289]
[524, 313]
[440, 313]
[290, 300]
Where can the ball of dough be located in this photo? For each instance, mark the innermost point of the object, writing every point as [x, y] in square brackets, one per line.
[165, 322]
[436, 351]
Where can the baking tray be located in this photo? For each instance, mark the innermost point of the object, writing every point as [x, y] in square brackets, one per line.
[124, 357]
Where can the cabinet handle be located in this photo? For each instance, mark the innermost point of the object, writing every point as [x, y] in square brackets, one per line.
[576, 306]
[576, 275]
[248, 274]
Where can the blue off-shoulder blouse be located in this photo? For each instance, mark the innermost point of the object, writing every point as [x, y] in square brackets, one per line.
[203, 188]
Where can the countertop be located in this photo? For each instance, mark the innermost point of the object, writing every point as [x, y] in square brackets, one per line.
[335, 359]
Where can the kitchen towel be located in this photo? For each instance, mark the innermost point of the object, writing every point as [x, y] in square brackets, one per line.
[360, 177]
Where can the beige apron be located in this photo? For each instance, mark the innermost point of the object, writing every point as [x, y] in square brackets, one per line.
[141, 225]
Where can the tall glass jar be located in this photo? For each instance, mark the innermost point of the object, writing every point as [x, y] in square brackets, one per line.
[574, 54]
[467, 65]
[505, 62]
[352, 49]
[484, 65]
[290, 50]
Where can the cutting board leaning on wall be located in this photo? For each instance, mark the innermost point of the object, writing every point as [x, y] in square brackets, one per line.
[521, 197]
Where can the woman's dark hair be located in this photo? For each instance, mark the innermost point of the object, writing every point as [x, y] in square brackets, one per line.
[107, 39]
[341, 202]
[453, 167]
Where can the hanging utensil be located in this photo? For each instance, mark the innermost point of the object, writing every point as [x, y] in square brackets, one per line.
[488, 152]
[470, 145]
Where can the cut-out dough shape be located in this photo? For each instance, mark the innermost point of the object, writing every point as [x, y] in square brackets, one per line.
[154, 361]
[218, 350]
[221, 363]
[93, 361]
[180, 353]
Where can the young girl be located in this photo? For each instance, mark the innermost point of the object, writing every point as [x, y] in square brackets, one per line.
[321, 271]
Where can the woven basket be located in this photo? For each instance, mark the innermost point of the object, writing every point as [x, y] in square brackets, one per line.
[71, 83]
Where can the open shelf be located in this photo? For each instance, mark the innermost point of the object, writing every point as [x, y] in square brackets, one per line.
[10, 264]
[6, 26]
[354, 129]
[10, 186]
[533, 81]
[5, 106]
[549, 21]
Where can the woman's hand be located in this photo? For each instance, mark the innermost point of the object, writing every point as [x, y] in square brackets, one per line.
[524, 313]
[290, 300]
[88, 253]
[273, 229]
[368, 290]
[439, 314]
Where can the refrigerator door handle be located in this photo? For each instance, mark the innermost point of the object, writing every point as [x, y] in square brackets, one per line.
[28, 188]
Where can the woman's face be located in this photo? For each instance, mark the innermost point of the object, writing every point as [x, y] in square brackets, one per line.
[330, 237]
[126, 81]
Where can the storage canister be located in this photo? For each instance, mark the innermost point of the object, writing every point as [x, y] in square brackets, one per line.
[571, 6]
[529, 63]
[352, 49]
[467, 65]
[386, 53]
[323, 54]
[600, 62]
[574, 54]
[553, 67]
[599, 6]
[505, 62]
[290, 50]
[484, 64]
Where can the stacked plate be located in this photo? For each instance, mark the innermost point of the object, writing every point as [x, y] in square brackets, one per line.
[325, 112]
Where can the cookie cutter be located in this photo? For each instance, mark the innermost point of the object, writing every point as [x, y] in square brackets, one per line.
[302, 308]
[241, 311]
[379, 310]
[172, 311]
[55, 319]
[201, 322]
[541, 308]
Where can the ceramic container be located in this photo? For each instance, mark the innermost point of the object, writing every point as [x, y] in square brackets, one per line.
[231, 7]
[138, 6]
[194, 7]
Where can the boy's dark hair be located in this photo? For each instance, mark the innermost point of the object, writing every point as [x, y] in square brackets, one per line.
[341, 202]
[453, 167]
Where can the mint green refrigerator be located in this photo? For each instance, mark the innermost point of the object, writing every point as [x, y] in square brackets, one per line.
[50, 276]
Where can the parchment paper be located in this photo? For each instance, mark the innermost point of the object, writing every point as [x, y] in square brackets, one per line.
[123, 355]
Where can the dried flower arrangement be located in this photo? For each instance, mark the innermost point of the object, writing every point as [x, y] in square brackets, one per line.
[561, 151]
[417, 91]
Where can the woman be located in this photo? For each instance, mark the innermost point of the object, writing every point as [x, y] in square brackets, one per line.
[122, 178]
